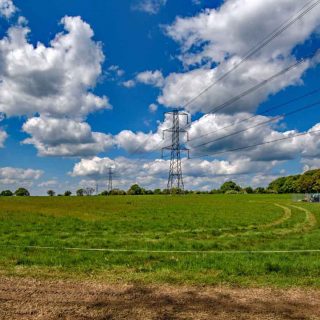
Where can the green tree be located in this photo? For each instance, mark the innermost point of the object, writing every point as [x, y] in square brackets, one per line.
[290, 185]
[6, 193]
[260, 190]
[135, 189]
[305, 183]
[316, 181]
[277, 185]
[248, 190]
[67, 193]
[89, 191]
[117, 192]
[316, 185]
[229, 186]
[80, 192]
[22, 192]
[176, 191]
[51, 193]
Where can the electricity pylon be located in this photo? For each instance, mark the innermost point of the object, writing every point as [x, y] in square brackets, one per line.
[97, 188]
[175, 179]
[110, 174]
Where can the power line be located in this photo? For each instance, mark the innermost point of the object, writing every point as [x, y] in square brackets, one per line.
[261, 84]
[287, 24]
[257, 144]
[308, 94]
[156, 148]
[251, 52]
[243, 94]
[263, 123]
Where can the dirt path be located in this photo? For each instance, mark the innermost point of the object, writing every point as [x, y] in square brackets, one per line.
[46, 300]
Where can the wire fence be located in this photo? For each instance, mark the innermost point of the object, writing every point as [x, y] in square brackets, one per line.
[306, 197]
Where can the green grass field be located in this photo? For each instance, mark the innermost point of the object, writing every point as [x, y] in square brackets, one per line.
[163, 223]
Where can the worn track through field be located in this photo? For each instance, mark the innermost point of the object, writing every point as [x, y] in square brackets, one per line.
[27, 299]
[249, 230]
[227, 231]
[302, 227]
[311, 220]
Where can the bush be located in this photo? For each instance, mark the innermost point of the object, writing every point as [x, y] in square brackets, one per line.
[231, 192]
[270, 191]
[117, 192]
[215, 191]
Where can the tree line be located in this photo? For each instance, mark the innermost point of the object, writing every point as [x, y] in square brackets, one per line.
[20, 192]
[228, 187]
[308, 182]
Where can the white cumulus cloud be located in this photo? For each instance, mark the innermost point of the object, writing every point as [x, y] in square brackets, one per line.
[48, 183]
[65, 137]
[153, 107]
[55, 83]
[149, 6]
[7, 8]
[201, 174]
[215, 40]
[153, 78]
[129, 83]
[55, 80]
[3, 137]
[18, 176]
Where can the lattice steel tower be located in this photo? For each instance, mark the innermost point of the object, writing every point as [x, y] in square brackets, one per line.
[110, 187]
[97, 188]
[175, 179]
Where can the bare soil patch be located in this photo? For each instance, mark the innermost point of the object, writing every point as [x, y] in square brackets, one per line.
[24, 299]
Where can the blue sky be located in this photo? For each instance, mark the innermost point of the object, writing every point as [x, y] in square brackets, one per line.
[143, 58]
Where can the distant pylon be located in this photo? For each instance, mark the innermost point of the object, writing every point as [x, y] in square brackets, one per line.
[110, 187]
[97, 188]
[175, 179]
